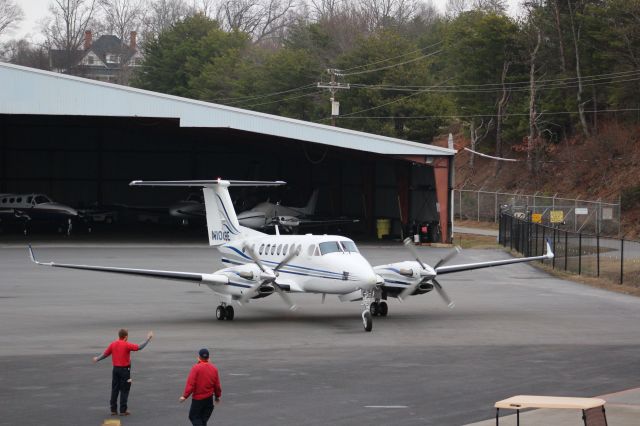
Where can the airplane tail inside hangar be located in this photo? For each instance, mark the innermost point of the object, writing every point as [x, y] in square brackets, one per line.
[81, 142]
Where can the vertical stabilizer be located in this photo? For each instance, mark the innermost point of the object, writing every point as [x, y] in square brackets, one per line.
[310, 208]
[222, 222]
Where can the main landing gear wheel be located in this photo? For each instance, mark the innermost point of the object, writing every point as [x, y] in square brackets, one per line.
[374, 308]
[229, 313]
[367, 321]
[383, 309]
[221, 313]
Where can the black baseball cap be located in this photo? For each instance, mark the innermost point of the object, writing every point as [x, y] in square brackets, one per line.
[204, 353]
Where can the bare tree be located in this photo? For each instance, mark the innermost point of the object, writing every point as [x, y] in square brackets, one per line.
[326, 9]
[162, 14]
[502, 106]
[204, 7]
[10, 15]
[122, 17]
[556, 12]
[476, 135]
[576, 40]
[533, 116]
[66, 26]
[456, 7]
[380, 13]
[259, 18]
[23, 52]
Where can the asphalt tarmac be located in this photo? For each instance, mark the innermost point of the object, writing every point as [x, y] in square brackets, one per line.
[514, 330]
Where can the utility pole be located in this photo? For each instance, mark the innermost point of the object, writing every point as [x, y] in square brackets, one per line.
[333, 86]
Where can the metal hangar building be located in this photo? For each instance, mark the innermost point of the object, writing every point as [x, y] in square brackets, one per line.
[81, 142]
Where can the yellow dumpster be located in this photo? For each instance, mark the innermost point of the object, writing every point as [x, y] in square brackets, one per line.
[383, 226]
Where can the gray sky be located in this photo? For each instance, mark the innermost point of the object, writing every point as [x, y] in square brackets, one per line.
[36, 10]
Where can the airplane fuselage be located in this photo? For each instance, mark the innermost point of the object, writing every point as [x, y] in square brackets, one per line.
[325, 263]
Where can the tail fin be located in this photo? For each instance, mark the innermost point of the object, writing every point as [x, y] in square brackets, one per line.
[222, 222]
[310, 208]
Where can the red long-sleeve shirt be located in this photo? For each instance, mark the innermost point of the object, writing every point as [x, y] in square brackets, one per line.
[203, 381]
[120, 351]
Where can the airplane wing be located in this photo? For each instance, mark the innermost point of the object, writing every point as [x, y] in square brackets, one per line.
[152, 273]
[479, 265]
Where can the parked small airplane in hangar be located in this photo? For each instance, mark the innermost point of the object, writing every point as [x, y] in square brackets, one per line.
[261, 264]
[267, 215]
[189, 209]
[26, 208]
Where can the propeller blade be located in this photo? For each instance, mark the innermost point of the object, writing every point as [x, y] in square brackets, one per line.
[410, 289]
[291, 255]
[443, 294]
[409, 245]
[285, 297]
[254, 257]
[448, 257]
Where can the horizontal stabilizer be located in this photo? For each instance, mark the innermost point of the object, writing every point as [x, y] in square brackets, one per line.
[205, 183]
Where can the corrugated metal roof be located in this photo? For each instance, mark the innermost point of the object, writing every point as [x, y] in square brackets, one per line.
[33, 91]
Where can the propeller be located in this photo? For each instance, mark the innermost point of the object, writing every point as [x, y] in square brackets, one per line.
[428, 273]
[269, 276]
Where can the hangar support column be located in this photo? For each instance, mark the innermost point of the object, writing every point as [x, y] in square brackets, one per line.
[441, 174]
[443, 180]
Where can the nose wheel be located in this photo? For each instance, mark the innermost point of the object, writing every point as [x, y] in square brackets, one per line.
[367, 321]
[368, 308]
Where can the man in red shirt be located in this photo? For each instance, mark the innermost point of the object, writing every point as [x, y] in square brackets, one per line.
[203, 382]
[120, 351]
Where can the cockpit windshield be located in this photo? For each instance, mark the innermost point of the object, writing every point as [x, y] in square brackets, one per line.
[329, 247]
[39, 199]
[349, 246]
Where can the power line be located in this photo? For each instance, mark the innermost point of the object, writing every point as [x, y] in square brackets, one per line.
[395, 57]
[419, 117]
[242, 99]
[615, 77]
[341, 74]
[282, 100]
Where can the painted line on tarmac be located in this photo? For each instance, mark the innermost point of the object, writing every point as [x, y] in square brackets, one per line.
[239, 374]
[386, 406]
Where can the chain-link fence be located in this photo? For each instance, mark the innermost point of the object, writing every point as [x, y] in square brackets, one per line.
[580, 253]
[595, 217]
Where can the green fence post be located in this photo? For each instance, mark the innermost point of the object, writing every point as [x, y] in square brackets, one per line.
[566, 247]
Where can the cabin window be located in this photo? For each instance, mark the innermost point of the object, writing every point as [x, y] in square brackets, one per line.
[29, 199]
[41, 199]
[273, 250]
[19, 199]
[279, 249]
[330, 247]
[261, 248]
[12, 200]
[266, 251]
[284, 249]
[349, 246]
[4, 200]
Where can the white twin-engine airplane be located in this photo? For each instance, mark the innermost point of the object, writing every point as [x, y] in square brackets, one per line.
[261, 264]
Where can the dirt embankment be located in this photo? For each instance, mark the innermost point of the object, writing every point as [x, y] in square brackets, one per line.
[605, 166]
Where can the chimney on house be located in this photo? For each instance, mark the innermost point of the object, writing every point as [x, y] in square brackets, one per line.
[87, 39]
[132, 40]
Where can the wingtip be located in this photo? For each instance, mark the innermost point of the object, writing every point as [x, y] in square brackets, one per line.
[31, 254]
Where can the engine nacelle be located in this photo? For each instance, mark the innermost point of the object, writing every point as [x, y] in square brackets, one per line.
[264, 291]
[398, 276]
